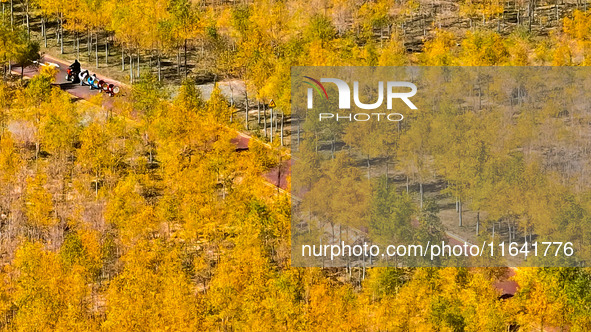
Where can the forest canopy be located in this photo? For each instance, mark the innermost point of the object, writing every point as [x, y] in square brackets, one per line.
[146, 216]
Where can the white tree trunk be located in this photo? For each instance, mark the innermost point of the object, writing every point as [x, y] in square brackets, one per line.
[282, 121]
[96, 50]
[271, 123]
[131, 68]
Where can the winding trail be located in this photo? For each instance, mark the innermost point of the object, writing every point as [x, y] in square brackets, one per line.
[276, 176]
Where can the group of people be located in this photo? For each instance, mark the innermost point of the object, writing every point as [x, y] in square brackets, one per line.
[76, 75]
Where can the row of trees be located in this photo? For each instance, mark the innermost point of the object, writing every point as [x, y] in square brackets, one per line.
[258, 42]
